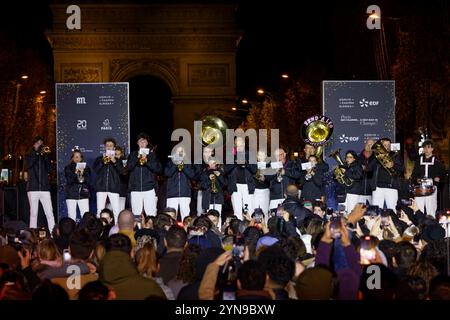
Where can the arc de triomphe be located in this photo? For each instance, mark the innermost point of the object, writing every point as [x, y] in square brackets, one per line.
[190, 47]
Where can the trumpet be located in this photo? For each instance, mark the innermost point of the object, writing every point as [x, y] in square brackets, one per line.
[180, 166]
[339, 175]
[259, 175]
[80, 176]
[142, 159]
[214, 187]
[45, 150]
[279, 176]
[106, 160]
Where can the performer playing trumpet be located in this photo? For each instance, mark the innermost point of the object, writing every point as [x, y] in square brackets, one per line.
[143, 166]
[179, 182]
[77, 185]
[38, 165]
[107, 183]
[240, 180]
[212, 183]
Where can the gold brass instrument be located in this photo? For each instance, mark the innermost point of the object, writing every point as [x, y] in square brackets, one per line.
[106, 160]
[316, 131]
[382, 156]
[80, 176]
[259, 175]
[279, 176]
[214, 187]
[212, 127]
[339, 175]
[142, 159]
[180, 166]
[45, 150]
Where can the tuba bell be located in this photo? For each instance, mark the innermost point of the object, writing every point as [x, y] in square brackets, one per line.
[316, 131]
[212, 129]
[382, 155]
[339, 175]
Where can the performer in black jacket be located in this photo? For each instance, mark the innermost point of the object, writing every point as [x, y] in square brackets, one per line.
[38, 187]
[212, 183]
[385, 185]
[240, 180]
[283, 177]
[198, 168]
[364, 158]
[312, 181]
[143, 169]
[179, 183]
[427, 166]
[77, 186]
[107, 183]
[261, 197]
[354, 173]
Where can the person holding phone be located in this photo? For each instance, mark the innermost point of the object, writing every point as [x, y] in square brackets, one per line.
[143, 167]
[77, 175]
[107, 183]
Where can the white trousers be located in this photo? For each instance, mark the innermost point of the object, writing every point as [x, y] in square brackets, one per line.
[199, 202]
[240, 198]
[113, 199]
[274, 203]
[146, 200]
[261, 199]
[350, 201]
[388, 195]
[183, 203]
[83, 205]
[364, 199]
[428, 202]
[44, 197]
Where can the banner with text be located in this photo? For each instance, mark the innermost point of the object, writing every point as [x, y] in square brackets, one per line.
[359, 110]
[87, 113]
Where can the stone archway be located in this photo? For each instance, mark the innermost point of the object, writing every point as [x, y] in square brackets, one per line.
[191, 47]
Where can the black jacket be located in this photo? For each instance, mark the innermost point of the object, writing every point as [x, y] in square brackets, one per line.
[143, 178]
[366, 182]
[354, 172]
[38, 167]
[247, 170]
[296, 209]
[382, 178]
[312, 189]
[436, 170]
[108, 175]
[208, 197]
[179, 182]
[277, 189]
[74, 189]
[123, 192]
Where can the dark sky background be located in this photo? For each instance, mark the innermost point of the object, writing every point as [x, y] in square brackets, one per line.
[278, 36]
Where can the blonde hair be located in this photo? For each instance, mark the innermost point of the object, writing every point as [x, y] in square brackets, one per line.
[48, 250]
[146, 260]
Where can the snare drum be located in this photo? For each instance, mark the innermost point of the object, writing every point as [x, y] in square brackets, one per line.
[424, 188]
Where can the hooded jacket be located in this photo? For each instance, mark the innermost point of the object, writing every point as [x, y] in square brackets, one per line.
[118, 271]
